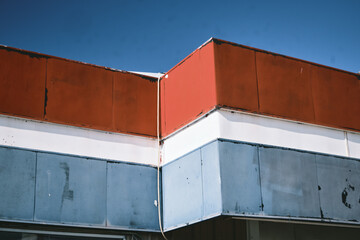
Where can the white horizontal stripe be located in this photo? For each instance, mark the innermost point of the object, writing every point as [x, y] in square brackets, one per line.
[43, 136]
[239, 126]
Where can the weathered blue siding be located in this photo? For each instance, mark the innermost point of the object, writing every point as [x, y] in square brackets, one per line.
[70, 190]
[253, 180]
[62, 189]
[17, 184]
[289, 183]
[131, 194]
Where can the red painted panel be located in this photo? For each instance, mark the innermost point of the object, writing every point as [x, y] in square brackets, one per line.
[236, 85]
[135, 104]
[284, 87]
[22, 83]
[336, 98]
[79, 94]
[189, 91]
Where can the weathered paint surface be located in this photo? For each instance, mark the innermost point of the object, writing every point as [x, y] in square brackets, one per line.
[62, 189]
[134, 104]
[188, 90]
[236, 82]
[131, 194]
[17, 184]
[79, 94]
[70, 190]
[261, 181]
[289, 183]
[253, 80]
[284, 87]
[22, 83]
[340, 196]
[52, 89]
[240, 182]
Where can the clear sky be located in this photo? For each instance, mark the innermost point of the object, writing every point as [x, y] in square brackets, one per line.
[153, 36]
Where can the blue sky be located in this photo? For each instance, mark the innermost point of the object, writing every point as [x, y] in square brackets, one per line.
[154, 35]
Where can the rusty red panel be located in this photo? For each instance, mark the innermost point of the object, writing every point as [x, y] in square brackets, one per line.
[135, 104]
[284, 87]
[22, 83]
[336, 98]
[79, 94]
[189, 91]
[235, 76]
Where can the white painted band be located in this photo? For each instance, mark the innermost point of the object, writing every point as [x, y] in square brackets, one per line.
[43, 136]
[239, 126]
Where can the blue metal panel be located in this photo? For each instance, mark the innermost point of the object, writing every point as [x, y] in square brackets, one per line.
[339, 187]
[131, 195]
[239, 178]
[17, 183]
[182, 190]
[289, 183]
[211, 180]
[70, 190]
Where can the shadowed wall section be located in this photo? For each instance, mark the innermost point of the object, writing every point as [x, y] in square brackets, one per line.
[47, 88]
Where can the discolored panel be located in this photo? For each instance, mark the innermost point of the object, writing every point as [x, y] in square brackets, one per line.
[131, 195]
[236, 84]
[336, 98]
[240, 186]
[17, 184]
[70, 190]
[79, 94]
[182, 190]
[339, 187]
[22, 83]
[135, 104]
[188, 91]
[288, 183]
[284, 87]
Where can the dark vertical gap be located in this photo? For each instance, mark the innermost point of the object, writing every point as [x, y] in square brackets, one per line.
[261, 197]
[36, 156]
[234, 229]
[294, 230]
[46, 90]
[257, 82]
[213, 228]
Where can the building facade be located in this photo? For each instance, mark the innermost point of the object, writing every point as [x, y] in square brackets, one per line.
[231, 143]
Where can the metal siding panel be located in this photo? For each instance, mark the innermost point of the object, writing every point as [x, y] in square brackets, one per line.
[131, 195]
[79, 94]
[70, 190]
[339, 185]
[134, 104]
[288, 183]
[22, 83]
[211, 179]
[236, 83]
[284, 87]
[239, 178]
[182, 190]
[189, 90]
[17, 183]
[336, 98]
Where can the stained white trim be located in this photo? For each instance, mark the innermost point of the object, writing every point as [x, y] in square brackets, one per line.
[44, 136]
[239, 126]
